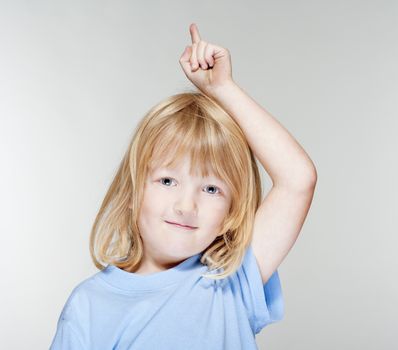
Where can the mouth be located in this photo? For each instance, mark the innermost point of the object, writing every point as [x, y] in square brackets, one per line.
[185, 227]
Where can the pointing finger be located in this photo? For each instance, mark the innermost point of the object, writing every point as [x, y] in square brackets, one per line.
[193, 29]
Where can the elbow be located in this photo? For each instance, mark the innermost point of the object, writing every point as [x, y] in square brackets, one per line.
[311, 184]
[305, 180]
[310, 178]
[302, 179]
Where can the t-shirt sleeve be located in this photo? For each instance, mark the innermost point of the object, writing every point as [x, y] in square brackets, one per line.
[66, 336]
[263, 302]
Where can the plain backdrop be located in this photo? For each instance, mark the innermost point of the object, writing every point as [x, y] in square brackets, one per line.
[77, 76]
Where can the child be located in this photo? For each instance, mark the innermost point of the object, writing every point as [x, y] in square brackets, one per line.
[182, 267]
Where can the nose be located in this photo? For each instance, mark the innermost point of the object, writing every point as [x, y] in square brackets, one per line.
[186, 203]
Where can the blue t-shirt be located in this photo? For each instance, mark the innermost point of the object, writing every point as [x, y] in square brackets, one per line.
[171, 309]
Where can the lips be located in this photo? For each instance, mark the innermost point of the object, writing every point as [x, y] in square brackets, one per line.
[181, 225]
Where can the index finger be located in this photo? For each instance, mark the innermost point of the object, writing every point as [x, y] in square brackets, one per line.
[194, 33]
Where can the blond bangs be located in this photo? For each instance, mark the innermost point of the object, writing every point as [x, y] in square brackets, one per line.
[196, 136]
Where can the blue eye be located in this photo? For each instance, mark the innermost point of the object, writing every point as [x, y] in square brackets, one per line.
[214, 187]
[210, 186]
[164, 178]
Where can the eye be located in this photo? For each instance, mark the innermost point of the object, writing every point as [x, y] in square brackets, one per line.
[212, 186]
[169, 180]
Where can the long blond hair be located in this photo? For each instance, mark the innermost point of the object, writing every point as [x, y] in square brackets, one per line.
[189, 122]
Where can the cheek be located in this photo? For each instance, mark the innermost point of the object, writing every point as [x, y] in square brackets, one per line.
[153, 199]
[213, 215]
[149, 209]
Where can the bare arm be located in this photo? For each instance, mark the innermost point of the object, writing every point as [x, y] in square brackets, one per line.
[280, 217]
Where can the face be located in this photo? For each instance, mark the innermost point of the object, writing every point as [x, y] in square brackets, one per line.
[173, 195]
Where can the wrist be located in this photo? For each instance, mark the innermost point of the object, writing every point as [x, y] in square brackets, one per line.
[223, 90]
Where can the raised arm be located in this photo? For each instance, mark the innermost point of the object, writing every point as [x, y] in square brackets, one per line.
[281, 215]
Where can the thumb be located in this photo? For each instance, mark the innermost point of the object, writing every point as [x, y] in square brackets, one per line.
[184, 59]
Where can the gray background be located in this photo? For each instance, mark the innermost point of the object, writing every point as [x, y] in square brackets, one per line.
[76, 76]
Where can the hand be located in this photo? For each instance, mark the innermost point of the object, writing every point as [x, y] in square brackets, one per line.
[206, 65]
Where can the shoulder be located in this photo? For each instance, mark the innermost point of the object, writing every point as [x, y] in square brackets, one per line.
[79, 298]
